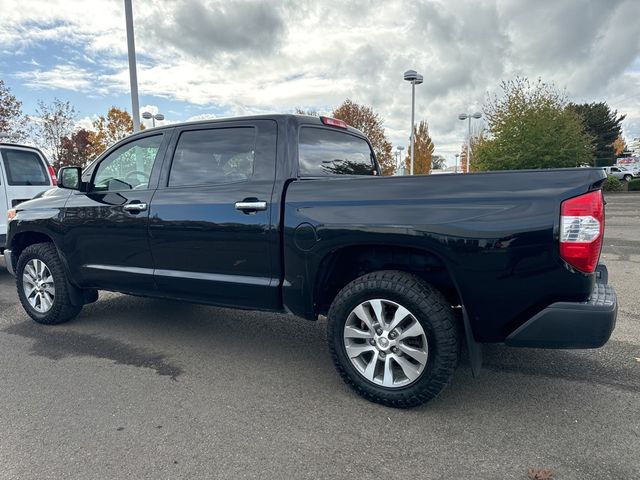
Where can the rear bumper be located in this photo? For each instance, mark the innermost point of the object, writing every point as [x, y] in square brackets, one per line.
[8, 260]
[571, 325]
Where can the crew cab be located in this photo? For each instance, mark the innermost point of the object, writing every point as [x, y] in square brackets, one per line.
[289, 213]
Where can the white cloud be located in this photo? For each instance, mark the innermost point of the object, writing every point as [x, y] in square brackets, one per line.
[202, 116]
[86, 123]
[256, 56]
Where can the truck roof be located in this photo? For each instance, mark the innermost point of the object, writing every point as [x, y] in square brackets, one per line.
[295, 118]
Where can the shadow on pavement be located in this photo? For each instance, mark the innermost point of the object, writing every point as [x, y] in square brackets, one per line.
[132, 331]
[55, 343]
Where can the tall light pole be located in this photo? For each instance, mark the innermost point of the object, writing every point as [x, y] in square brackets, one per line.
[133, 75]
[416, 79]
[465, 116]
[400, 148]
[457, 155]
[149, 115]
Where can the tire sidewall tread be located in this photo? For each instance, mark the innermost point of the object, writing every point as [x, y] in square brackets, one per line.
[429, 307]
[62, 309]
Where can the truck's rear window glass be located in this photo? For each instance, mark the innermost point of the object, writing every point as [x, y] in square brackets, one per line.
[213, 156]
[24, 168]
[323, 152]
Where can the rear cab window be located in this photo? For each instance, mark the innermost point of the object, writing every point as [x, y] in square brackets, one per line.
[24, 168]
[323, 152]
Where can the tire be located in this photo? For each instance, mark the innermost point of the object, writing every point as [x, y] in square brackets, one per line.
[53, 308]
[426, 306]
[627, 178]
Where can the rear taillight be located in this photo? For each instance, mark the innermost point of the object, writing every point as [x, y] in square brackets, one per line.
[52, 174]
[581, 230]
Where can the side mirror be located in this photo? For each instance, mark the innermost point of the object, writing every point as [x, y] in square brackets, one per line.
[69, 177]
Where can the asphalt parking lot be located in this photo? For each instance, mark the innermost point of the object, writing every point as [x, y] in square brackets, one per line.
[141, 388]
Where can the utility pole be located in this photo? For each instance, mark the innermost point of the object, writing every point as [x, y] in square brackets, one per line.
[133, 75]
[465, 116]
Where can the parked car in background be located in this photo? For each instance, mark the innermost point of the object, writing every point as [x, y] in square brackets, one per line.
[24, 173]
[622, 173]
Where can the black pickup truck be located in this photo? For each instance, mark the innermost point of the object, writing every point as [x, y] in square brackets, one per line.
[289, 213]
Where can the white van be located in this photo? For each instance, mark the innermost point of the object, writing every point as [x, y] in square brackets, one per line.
[24, 172]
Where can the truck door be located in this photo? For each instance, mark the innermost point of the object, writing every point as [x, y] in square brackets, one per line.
[106, 239]
[211, 230]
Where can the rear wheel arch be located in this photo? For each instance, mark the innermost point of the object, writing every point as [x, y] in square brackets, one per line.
[342, 266]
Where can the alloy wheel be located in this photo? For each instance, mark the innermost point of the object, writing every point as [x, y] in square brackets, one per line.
[385, 343]
[38, 286]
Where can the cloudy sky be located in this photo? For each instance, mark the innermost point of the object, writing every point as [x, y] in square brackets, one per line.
[199, 58]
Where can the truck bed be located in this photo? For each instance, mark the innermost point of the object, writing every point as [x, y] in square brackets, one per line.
[493, 232]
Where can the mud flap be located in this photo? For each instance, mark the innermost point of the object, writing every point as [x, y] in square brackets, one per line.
[474, 348]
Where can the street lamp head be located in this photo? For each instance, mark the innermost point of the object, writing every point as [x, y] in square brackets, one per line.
[419, 79]
[412, 76]
[147, 115]
[158, 116]
[400, 147]
[477, 115]
[463, 116]
[457, 155]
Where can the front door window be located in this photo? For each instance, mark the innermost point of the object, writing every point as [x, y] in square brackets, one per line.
[128, 167]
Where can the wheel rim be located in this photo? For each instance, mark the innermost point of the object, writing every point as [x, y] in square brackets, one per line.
[386, 343]
[38, 286]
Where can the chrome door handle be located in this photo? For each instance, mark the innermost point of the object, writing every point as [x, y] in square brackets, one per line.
[135, 207]
[254, 206]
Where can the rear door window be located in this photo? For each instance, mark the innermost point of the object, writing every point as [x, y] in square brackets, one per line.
[324, 152]
[213, 156]
[24, 167]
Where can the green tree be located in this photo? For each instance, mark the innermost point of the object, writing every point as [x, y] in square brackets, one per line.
[53, 123]
[366, 120]
[529, 126]
[12, 122]
[603, 125]
[424, 151]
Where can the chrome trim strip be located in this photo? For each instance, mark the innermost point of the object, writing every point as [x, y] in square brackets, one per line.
[8, 260]
[215, 277]
[210, 277]
[115, 268]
